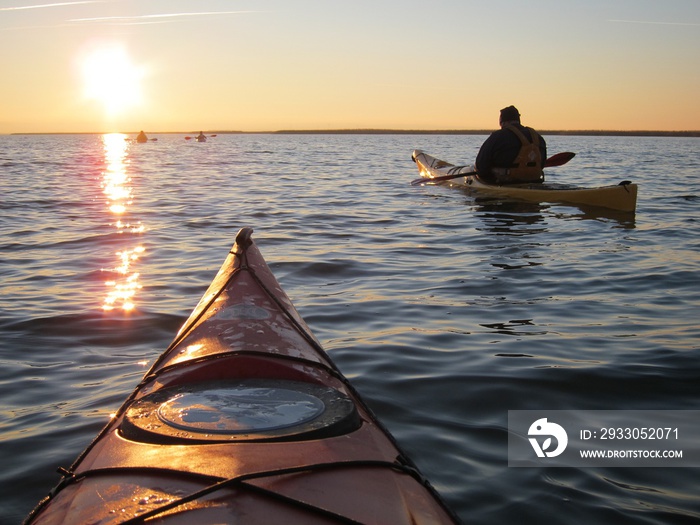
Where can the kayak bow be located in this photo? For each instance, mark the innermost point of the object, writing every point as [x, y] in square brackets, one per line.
[621, 197]
[243, 418]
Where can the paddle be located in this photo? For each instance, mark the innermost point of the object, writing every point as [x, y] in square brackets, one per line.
[553, 161]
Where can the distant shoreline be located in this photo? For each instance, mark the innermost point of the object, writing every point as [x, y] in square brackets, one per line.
[596, 133]
[489, 131]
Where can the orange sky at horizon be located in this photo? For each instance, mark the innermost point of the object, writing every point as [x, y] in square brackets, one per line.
[268, 65]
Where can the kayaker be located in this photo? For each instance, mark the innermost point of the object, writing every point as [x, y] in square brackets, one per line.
[141, 137]
[201, 137]
[513, 154]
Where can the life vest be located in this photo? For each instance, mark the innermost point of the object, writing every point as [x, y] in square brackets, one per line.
[527, 166]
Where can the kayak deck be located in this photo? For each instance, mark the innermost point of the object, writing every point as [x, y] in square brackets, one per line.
[243, 418]
[622, 197]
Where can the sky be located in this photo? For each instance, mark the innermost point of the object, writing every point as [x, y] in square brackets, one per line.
[269, 65]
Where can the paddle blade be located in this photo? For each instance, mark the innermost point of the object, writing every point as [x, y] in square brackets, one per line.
[422, 180]
[559, 159]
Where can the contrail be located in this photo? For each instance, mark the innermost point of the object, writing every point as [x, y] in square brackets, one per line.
[656, 23]
[41, 6]
[147, 17]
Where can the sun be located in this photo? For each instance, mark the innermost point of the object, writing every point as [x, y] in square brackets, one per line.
[111, 78]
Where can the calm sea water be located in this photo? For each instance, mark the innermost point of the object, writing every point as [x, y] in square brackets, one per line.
[445, 311]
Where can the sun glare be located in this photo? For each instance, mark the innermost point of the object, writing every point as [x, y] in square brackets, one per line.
[111, 78]
[117, 187]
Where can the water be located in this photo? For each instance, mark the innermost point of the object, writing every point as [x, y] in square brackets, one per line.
[445, 311]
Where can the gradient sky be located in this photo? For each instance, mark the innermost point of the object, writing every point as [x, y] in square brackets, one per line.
[267, 65]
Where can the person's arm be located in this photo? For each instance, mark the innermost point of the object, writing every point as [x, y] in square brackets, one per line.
[543, 149]
[484, 159]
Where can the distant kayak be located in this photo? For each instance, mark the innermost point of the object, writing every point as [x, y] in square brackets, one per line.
[199, 138]
[244, 419]
[622, 196]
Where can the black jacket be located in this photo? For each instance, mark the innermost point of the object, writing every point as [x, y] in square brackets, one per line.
[501, 149]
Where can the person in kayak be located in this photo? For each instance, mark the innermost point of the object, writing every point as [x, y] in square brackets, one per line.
[513, 154]
[142, 137]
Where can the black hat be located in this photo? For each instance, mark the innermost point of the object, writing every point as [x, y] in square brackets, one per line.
[509, 113]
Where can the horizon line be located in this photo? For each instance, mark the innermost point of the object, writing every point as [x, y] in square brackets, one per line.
[382, 131]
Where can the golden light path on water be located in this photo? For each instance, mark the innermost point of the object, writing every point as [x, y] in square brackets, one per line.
[116, 185]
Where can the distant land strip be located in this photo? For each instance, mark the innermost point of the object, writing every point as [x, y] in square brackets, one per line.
[486, 132]
[601, 133]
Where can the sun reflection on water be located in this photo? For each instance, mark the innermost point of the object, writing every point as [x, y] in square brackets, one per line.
[116, 185]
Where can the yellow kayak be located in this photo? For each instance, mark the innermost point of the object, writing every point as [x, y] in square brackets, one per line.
[622, 196]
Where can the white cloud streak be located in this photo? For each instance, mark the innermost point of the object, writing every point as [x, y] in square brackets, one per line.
[43, 6]
[656, 23]
[140, 18]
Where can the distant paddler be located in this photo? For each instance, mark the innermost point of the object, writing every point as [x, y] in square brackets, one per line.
[142, 137]
[201, 137]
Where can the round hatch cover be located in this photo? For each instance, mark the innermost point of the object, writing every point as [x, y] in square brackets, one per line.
[249, 410]
[240, 409]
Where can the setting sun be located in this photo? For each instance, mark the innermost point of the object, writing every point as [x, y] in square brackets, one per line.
[111, 78]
